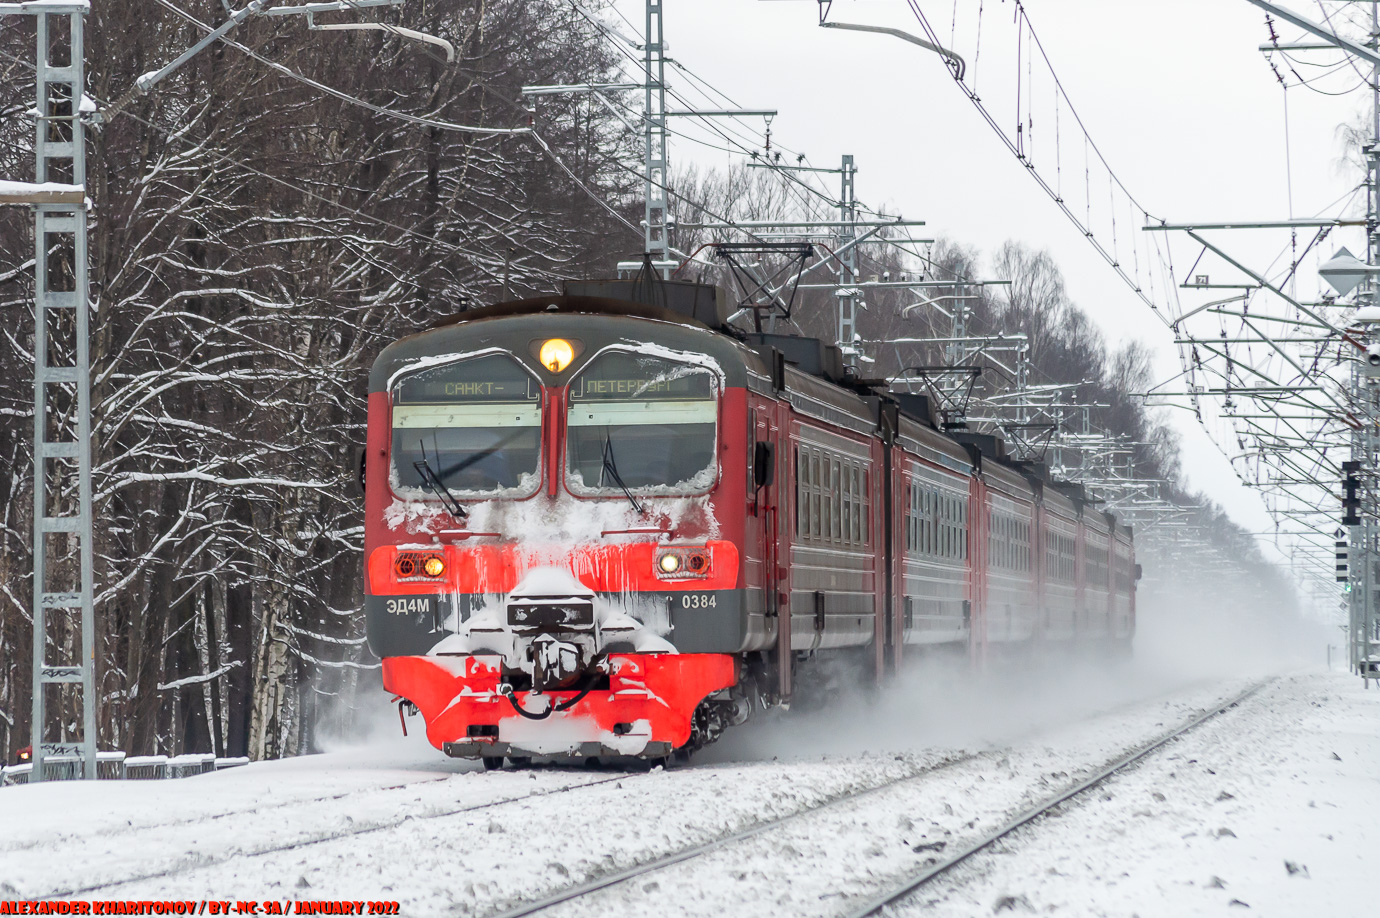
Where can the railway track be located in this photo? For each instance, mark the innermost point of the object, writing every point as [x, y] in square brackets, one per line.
[911, 883]
[182, 861]
[694, 851]
[919, 880]
[8, 845]
[200, 861]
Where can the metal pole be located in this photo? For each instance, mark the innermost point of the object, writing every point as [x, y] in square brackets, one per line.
[654, 134]
[1361, 636]
[847, 252]
[1363, 537]
[1321, 31]
[61, 303]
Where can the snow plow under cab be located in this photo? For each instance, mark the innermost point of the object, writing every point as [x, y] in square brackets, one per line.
[645, 709]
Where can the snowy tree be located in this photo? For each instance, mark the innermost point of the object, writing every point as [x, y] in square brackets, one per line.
[255, 241]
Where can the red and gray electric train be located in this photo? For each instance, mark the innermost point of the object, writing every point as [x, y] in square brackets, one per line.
[597, 527]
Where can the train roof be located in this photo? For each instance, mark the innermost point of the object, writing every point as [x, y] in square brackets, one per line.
[595, 322]
[808, 373]
[921, 438]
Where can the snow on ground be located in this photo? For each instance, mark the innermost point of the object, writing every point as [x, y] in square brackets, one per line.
[392, 819]
[442, 838]
[1272, 808]
[450, 849]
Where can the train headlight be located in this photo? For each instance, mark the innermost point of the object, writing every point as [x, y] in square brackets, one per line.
[683, 563]
[556, 354]
[410, 566]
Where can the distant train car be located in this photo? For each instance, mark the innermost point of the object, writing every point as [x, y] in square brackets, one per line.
[596, 528]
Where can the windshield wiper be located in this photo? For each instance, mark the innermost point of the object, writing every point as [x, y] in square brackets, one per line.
[611, 467]
[433, 483]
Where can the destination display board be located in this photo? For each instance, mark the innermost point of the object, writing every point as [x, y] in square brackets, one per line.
[494, 378]
[617, 375]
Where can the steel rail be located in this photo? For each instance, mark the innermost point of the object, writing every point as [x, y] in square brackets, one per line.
[714, 844]
[875, 906]
[653, 865]
[199, 862]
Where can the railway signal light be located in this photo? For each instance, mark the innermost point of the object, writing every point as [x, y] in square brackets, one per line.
[1351, 494]
[1342, 575]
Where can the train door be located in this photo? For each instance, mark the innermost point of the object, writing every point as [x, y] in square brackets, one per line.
[979, 519]
[778, 485]
[878, 485]
[1039, 569]
[1132, 576]
[895, 515]
[1108, 574]
[1081, 617]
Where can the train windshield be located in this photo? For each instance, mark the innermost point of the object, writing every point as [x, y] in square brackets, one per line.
[474, 424]
[642, 423]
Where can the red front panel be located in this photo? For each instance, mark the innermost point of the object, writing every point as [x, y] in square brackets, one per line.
[497, 568]
[651, 698]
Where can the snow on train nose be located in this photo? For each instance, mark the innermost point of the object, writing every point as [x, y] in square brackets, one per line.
[555, 663]
[552, 613]
[555, 669]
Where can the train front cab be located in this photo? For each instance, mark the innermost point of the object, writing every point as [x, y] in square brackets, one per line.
[580, 587]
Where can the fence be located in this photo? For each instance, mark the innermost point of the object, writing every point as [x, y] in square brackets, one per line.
[116, 766]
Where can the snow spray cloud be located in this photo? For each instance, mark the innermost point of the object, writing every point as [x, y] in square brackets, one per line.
[1190, 630]
[1201, 624]
[357, 724]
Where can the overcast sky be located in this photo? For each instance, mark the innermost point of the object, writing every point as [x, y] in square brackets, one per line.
[1175, 92]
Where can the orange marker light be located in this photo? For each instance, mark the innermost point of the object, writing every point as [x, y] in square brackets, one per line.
[556, 354]
[434, 566]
